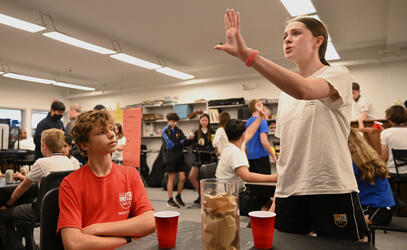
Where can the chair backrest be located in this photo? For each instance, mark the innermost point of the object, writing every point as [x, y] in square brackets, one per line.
[207, 171]
[49, 240]
[399, 157]
[51, 181]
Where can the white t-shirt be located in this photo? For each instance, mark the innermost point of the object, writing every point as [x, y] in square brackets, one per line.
[75, 161]
[314, 153]
[232, 157]
[43, 166]
[27, 144]
[396, 138]
[118, 155]
[360, 106]
[220, 139]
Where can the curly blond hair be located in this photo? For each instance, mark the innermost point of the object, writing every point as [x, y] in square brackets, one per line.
[367, 160]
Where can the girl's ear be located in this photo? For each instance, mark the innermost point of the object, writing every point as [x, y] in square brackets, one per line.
[319, 40]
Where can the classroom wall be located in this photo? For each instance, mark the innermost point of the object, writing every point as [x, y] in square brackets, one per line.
[28, 96]
[381, 83]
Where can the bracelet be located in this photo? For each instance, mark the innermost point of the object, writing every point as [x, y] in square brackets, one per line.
[128, 239]
[250, 59]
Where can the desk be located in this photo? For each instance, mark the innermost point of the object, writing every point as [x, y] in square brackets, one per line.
[16, 156]
[6, 189]
[189, 237]
[273, 184]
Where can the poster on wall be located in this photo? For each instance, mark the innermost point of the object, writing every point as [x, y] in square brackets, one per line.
[132, 131]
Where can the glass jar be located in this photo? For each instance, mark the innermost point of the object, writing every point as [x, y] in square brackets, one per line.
[220, 213]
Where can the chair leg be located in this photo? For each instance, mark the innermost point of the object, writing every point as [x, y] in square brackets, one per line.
[373, 237]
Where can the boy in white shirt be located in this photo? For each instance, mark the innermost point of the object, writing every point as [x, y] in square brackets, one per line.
[52, 141]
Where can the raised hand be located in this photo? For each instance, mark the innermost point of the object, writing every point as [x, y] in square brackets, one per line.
[235, 44]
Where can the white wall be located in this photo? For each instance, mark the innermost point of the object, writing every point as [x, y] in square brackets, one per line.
[28, 96]
[381, 83]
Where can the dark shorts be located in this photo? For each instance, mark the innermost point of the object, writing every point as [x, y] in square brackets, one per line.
[175, 167]
[379, 216]
[333, 215]
[260, 195]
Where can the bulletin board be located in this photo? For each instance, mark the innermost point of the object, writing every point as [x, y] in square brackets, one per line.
[132, 131]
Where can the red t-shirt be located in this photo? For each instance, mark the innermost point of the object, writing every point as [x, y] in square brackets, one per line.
[85, 199]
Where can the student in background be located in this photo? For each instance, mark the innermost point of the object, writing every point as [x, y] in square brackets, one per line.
[313, 123]
[202, 142]
[362, 109]
[233, 162]
[102, 205]
[52, 141]
[99, 107]
[174, 141]
[53, 120]
[66, 150]
[221, 138]
[394, 137]
[117, 156]
[74, 111]
[25, 142]
[371, 174]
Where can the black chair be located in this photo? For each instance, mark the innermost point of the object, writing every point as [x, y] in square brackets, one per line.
[398, 224]
[49, 240]
[207, 171]
[400, 159]
[26, 228]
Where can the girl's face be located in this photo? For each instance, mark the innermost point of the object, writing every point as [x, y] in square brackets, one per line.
[116, 129]
[299, 43]
[66, 149]
[204, 122]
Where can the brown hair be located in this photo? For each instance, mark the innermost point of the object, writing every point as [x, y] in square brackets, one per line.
[54, 139]
[367, 160]
[172, 116]
[208, 134]
[252, 105]
[396, 114]
[355, 86]
[224, 117]
[317, 28]
[120, 128]
[87, 120]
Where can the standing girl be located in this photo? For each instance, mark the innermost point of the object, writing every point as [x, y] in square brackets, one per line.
[316, 189]
[221, 138]
[117, 156]
[203, 145]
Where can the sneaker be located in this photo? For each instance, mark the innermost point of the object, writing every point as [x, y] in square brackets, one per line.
[172, 203]
[179, 200]
[198, 200]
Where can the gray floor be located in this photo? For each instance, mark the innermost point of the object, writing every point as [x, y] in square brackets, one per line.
[158, 197]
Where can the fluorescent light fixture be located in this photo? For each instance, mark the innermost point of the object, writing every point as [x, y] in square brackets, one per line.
[298, 7]
[135, 61]
[20, 24]
[174, 73]
[331, 53]
[78, 43]
[73, 86]
[28, 78]
[1, 72]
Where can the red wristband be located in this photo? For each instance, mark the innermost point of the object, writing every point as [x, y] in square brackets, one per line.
[250, 59]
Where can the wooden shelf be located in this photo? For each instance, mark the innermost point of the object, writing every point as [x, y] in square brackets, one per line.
[226, 106]
[181, 120]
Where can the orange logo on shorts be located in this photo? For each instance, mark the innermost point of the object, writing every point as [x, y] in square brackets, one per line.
[340, 220]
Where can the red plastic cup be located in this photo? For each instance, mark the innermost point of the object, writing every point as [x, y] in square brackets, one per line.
[166, 223]
[262, 228]
[377, 125]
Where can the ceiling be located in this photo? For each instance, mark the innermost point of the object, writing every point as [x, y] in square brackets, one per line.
[181, 34]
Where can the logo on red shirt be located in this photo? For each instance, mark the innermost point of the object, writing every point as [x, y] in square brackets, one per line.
[125, 200]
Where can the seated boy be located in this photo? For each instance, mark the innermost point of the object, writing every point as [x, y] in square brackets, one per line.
[102, 205]
[233, 161]
[52, 141]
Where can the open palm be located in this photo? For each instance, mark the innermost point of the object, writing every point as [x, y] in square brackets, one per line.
[235, 44]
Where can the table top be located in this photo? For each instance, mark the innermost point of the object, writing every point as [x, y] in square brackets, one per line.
[3, 183]
[15, 152]
[189, 237]
[261, 183]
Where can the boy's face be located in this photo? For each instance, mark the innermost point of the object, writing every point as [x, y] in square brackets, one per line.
[172, 123]
[101, 141]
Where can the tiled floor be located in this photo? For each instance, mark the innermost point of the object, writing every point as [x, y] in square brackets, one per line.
[158, 197]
